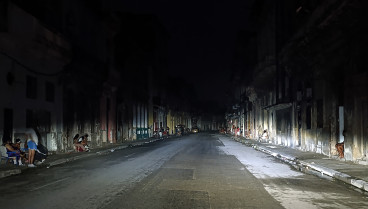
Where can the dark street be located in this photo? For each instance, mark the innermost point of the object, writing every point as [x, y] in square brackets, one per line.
[183, 104]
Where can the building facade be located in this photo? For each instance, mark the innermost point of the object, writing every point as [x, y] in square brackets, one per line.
[309, 82]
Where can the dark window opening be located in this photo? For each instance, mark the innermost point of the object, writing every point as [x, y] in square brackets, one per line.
[31, 91]
[309, 117]
[50, 92]
[320, 113]
[10, 78]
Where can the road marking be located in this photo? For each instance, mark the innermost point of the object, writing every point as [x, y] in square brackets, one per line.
[37, 188]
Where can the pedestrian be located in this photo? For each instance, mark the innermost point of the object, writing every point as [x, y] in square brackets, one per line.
[160, 133]
[32, 141]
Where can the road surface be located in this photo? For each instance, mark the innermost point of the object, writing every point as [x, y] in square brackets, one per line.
[196, 171]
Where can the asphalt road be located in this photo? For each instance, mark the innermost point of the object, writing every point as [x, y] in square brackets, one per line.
[196, 171]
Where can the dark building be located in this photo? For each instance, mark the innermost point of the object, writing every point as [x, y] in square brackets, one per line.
[82, 69]
[309, 83]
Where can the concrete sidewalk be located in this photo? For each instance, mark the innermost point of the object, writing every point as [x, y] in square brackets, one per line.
[310, 162]
[57, 159]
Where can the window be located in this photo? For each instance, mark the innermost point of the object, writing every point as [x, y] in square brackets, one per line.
[320, 113]
[50, 92]
[31, 91]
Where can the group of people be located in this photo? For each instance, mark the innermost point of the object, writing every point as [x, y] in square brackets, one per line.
[80, 143]
[15, 150]
[19, 150]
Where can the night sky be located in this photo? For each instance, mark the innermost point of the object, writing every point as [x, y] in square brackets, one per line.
[202, 38]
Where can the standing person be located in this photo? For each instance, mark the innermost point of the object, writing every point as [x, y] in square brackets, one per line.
[160, 133]
[32, 141]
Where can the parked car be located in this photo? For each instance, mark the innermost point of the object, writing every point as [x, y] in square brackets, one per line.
[195, 130]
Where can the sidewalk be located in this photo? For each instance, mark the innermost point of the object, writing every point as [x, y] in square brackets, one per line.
[314, 163]
[57, 159]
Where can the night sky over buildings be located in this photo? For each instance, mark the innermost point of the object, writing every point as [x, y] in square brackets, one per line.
[202, 38]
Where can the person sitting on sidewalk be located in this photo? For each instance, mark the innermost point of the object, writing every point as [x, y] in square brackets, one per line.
[264, 136]
[80, 143]
[12, 152]
[78, 146]
[18, 146]
[84, 141]
[41, 154]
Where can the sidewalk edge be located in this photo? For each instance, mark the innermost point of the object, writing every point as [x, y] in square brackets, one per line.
[300, 165]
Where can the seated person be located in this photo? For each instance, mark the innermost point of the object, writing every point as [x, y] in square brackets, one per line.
[78, 146]
[83, 140]
[12, 152]
[40, 154]
[264, 135]
[21, 147]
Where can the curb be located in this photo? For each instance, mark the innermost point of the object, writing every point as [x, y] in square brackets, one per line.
[16, 171]
[304, 166]
[356, 182]
[7, 173]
